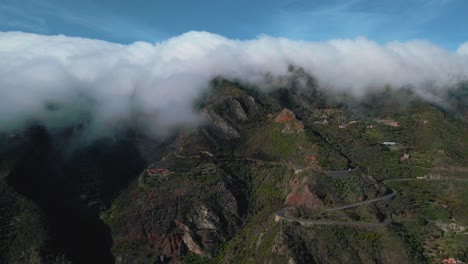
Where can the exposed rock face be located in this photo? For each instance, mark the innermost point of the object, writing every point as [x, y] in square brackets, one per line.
[293, 251]
[453, 227]
[226, 115]
[177, 213]
[249, 105]
[235, 110]
[188, 239]
[194, 208]
[224, 128]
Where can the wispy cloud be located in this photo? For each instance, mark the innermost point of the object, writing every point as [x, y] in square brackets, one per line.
[384, 20]
[12, 16]
[50, 17]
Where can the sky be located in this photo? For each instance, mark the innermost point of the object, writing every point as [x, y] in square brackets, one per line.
[441, 22]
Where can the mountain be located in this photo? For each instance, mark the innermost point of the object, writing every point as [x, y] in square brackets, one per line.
[284, 176]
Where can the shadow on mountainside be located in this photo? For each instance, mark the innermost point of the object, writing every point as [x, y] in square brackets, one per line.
[72, 197]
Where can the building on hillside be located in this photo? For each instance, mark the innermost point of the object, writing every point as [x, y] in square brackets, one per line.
[452, 261]
[388, 122]
[157, 171]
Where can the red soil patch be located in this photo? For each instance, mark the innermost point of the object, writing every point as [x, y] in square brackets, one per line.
[303, 197]
[285, 116]
[312, 158]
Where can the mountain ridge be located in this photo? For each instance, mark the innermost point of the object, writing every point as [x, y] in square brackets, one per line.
[211, 193]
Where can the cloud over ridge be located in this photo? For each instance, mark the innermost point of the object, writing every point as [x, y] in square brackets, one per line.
[60, 80]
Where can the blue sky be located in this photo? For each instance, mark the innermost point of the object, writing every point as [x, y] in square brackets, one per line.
[442, 22]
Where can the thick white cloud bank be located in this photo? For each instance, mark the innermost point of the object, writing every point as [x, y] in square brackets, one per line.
[59, 80]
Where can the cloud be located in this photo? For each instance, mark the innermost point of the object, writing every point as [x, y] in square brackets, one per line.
[59, 81]
[463, 49]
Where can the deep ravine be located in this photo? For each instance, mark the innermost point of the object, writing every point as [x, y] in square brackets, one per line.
[72, 196]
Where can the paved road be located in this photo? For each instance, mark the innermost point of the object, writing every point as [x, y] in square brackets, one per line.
[281, 214]
[386, 197]
[423, 179]
[336, 175]
[207, 154]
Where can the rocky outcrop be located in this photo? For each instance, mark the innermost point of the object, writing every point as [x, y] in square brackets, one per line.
[190, 210]
[221, 126]
[189, 240]
[453, 227]
[250, 106]
[235, 110]
[227, 116]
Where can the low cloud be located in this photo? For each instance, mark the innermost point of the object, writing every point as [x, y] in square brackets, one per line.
[463, 49]
[59, 81]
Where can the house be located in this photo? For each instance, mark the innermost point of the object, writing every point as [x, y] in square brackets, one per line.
[389, 143]
[155, 171]
[452, 261]
[449, 261]
[393, 124]
[388, 122]
[405, 157]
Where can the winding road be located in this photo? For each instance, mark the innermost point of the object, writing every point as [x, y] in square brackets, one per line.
[386, 197]
[281, 214]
